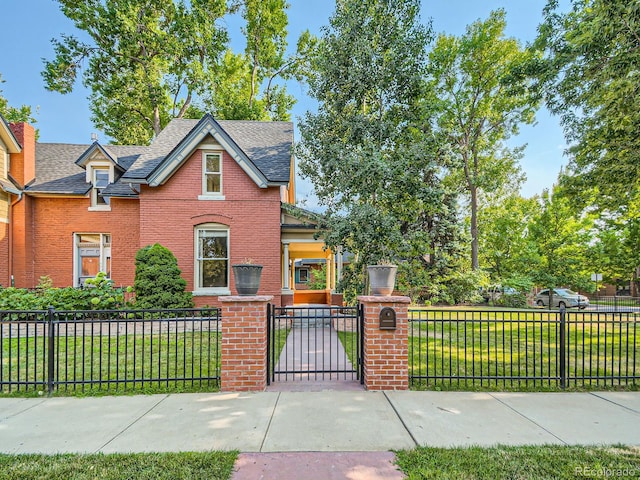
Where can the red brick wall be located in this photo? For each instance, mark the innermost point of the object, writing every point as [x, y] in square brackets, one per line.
[22, 244]
[57, 220]
[243, 350]
[385, 361]
[169, 213]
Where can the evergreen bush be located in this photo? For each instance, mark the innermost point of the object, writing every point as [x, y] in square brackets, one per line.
[158, 283]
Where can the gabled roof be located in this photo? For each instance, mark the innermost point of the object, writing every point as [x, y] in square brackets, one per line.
[86, 157]
[262, 149]
[58, 173]
[8, 138]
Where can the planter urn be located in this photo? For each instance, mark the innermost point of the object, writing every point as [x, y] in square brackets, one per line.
[382, 279]
[247, 278]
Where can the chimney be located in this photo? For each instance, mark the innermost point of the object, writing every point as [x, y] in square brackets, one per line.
[23, 164]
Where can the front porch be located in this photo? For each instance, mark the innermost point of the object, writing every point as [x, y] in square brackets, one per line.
[302, 252]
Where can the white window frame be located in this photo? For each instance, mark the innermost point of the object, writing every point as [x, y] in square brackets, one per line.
[198, 288]
[95, 190]
[105, 257]
[206, 195]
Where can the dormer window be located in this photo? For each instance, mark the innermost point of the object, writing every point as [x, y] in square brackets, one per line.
[211, 176]
[100, 181]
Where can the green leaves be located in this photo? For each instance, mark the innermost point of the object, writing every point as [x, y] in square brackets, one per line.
[590, 78]
[147, 61]
[158, 283]
[480, 103]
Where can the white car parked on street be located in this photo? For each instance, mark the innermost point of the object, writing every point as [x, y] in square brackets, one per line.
[561, 297]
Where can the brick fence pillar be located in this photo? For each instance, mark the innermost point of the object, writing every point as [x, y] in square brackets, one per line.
[244, 343]
[385, 356]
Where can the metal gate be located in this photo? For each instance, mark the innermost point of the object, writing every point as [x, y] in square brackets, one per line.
[314, 343]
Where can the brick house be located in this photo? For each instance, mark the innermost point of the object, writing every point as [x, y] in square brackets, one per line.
[213, 192]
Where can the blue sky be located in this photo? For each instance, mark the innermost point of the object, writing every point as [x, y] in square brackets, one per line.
[29, 26]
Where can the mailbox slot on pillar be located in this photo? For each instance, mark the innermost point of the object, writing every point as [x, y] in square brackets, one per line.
[387, 319]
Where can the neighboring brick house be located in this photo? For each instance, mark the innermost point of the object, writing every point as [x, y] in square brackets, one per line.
[9, 192]
[210, 191]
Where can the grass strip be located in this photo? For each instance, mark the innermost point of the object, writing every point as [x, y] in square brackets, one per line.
[169, 466]
[528, 462]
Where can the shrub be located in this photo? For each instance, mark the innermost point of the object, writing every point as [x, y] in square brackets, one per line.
[158, 283]
[98, 294]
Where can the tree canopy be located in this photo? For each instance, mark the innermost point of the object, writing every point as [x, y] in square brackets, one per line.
[11, 114]
[590, 73]
[480, 104]
[147, 61]
[369, 148]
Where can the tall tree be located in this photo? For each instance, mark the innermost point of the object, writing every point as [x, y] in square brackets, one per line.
[562, 240]
[506, 249]
[590, 74]
[15, 114]
[147, 61]
[480, 103]
[368, 150]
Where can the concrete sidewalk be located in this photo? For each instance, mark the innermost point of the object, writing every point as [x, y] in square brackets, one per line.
[328, 421]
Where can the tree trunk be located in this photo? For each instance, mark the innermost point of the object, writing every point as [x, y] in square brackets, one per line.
[474, 227]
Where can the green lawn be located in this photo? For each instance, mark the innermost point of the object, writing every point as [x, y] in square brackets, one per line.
[474, 463]
[522, 463]
[141, 466]
[517, 351]
[117, 364]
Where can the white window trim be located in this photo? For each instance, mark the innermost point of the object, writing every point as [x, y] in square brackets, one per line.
[103, 257]
[206, 291]
[91, 174]
[211, 195]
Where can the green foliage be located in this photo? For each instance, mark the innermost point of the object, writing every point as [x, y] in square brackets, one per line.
[480, 103]
[369, 151]
[158, 283]
[505, 246]
[98, 294]
[562, 240]
[318, 279]
[147, 61]
[590, 79]
[12, 114]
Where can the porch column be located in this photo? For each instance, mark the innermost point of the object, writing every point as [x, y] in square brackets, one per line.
[339, 266]
[386, 354]
[287, 269]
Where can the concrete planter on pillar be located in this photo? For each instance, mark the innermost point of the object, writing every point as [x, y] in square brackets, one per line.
[382, 279]
[247, 278]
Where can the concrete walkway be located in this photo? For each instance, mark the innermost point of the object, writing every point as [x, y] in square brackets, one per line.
[314, 421]
[329, 421]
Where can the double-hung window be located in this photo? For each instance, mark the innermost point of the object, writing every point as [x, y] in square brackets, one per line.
[100, 181]
[211, 175]
[212, 259]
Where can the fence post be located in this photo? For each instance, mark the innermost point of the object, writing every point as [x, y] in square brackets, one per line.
[243, 350]
[563, 352]
[50, 353]
[385, 355]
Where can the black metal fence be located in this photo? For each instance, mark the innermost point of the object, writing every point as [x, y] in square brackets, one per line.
[110, 351]
[313, 344]
[523, 350]
[615, 303]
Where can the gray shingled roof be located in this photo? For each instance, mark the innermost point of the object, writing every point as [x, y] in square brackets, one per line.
[57, 172]
[267, 144]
